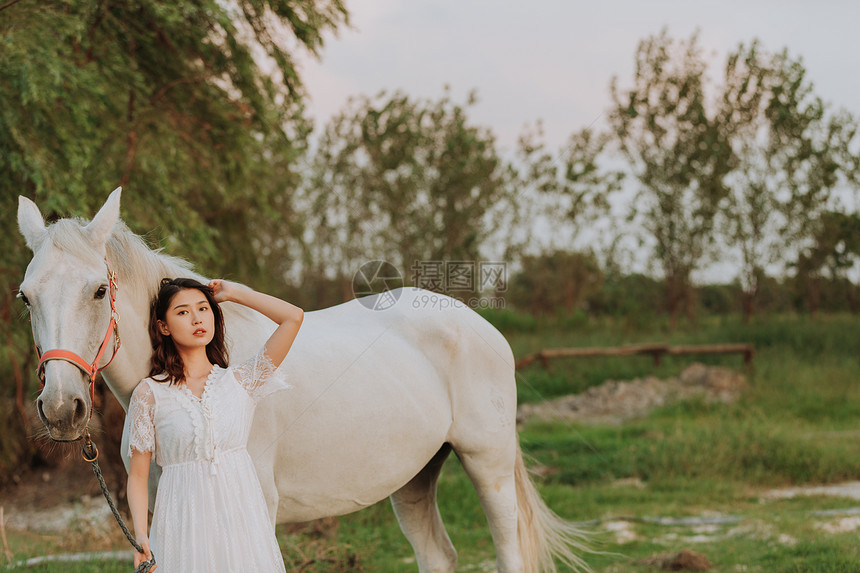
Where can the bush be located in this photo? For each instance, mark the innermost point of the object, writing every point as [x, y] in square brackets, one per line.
[720, 298]
[629, 296]
[556, 280]
[509, 320]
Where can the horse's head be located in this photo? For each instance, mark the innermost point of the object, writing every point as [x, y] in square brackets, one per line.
[66, 291]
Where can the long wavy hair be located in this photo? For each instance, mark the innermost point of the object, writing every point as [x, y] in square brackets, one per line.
[166, 363]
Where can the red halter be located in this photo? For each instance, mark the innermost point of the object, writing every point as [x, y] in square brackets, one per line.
[90, 369]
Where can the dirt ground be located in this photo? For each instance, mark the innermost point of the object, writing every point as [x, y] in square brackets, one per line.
[52, 500]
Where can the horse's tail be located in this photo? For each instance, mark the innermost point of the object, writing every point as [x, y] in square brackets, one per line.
[543, 535]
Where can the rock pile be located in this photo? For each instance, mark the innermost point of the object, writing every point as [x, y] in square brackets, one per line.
[615, 402]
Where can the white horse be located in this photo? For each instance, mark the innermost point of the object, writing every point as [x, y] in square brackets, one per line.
[380, 397]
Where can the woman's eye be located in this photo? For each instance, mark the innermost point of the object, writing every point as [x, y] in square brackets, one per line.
[204, 308]
[100, 293]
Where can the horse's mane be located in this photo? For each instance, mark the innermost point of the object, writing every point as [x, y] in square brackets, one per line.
[135, 258]
[138, 266]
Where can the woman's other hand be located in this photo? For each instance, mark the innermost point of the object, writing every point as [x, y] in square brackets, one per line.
[145, 556]
[223, 291]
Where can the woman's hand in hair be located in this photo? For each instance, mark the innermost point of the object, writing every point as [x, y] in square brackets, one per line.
[224, 291]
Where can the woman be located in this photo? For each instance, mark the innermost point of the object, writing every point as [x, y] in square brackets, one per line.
[194, 412]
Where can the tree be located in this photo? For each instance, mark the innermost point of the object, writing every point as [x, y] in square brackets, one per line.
[403, 180]
[573, 184]
[678, 152]
[175, 101]
[194, 107]
[835, 250]
[751, 214]
[791, 156]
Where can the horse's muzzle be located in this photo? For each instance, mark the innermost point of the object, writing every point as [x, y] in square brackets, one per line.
[65, 420]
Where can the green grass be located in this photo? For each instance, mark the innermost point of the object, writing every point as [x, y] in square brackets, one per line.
[797, 423]
[84, 567]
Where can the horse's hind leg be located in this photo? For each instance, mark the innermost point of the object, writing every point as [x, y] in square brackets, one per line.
[416, 510]
[492, 473]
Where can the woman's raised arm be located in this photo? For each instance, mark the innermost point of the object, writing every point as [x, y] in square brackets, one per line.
[287, 316]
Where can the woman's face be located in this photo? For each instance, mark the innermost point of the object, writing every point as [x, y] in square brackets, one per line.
[189, 320]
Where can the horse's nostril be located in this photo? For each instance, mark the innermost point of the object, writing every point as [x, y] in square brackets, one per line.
[80, 409]
[40, 409]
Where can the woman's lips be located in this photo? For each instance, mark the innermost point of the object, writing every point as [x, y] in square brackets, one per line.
[199, 332]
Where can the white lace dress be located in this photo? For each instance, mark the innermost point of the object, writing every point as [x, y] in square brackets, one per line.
[210, 515]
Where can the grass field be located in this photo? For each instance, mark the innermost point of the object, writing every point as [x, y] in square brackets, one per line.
[797, 424]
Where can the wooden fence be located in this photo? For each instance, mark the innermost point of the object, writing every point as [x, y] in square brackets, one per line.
[655, 350]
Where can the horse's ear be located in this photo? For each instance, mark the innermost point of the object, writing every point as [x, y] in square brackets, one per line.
[100, 227]
[30, 222]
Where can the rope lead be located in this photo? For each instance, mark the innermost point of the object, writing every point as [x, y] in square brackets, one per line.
[90, 453]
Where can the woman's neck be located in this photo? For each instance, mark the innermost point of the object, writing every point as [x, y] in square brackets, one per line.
[196, 362]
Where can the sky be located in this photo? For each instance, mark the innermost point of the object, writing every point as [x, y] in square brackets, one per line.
[552, 60]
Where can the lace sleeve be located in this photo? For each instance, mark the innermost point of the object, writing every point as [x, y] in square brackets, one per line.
[259, 377]
[142, 427]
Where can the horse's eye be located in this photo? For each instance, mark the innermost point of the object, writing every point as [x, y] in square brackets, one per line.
[23, 297]
[100, 294]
